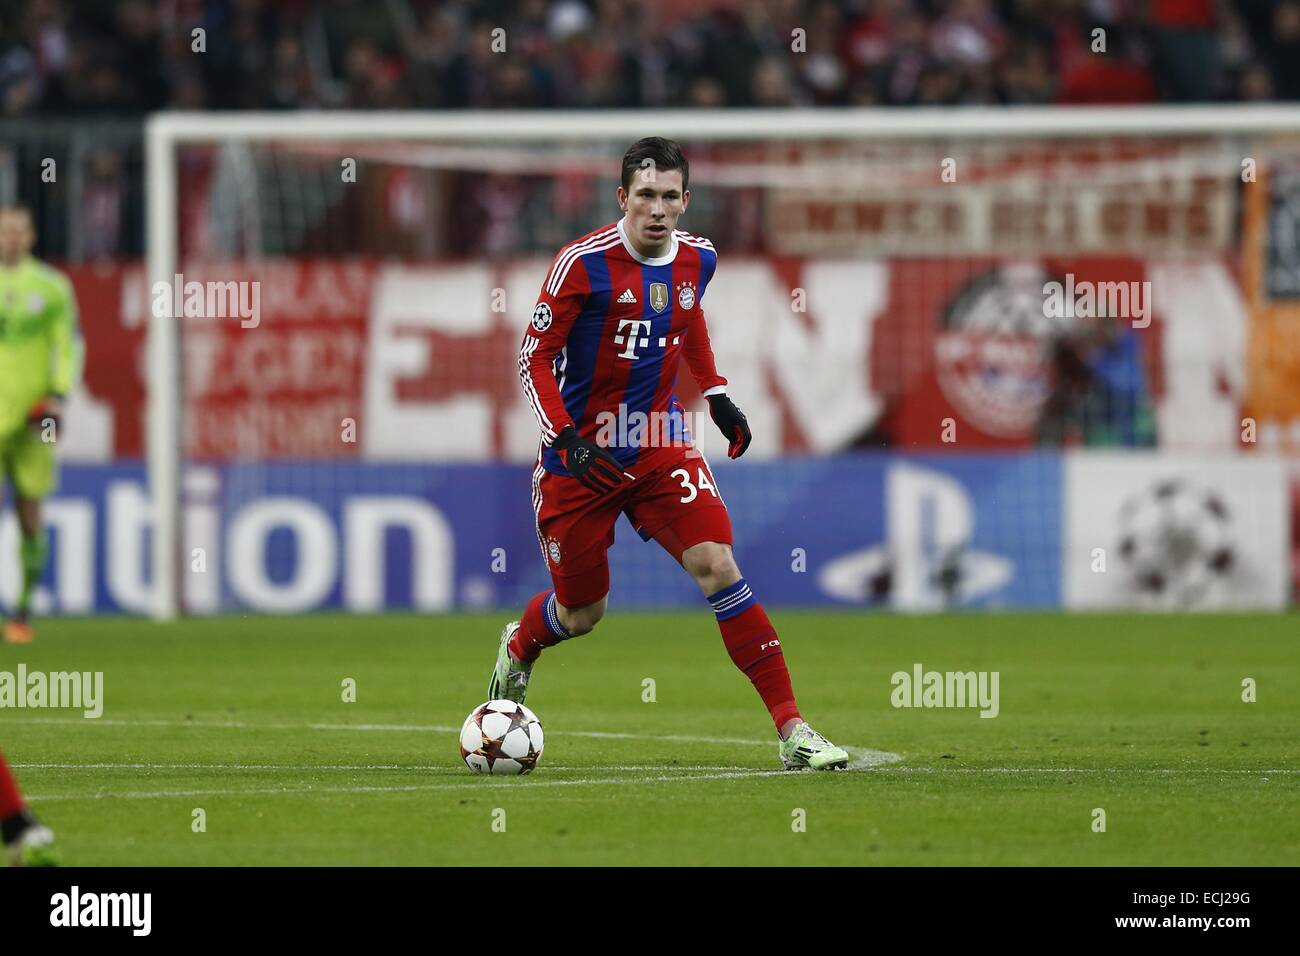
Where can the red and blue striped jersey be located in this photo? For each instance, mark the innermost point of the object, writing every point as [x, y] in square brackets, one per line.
[606, 338]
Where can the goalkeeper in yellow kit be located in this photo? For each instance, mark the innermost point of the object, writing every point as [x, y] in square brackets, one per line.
[40, 361]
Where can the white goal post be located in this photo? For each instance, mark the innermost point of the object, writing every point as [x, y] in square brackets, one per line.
[166, 132]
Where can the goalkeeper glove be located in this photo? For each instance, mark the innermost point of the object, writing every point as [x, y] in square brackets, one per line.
[732, 422]
[592, 465]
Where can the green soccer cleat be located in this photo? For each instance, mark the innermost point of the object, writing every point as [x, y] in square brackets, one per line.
[805, 749]
[34, 847]
[509, 676]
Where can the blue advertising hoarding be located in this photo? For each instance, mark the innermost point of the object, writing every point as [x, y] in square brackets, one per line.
[904, 532]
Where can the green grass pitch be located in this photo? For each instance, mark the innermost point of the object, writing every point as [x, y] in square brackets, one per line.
[244, 718]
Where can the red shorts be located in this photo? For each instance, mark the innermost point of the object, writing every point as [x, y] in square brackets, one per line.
[671, 498]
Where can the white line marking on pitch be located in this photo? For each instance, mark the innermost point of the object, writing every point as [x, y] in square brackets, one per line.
[1174, 770]
[393, 728]
[469, 785]
[477, 784]
[420, 768]
[862, 758]
[629, 768]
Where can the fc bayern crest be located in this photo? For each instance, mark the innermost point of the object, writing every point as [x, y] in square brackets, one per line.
[553, 550]
[686, 295]
[542, 317]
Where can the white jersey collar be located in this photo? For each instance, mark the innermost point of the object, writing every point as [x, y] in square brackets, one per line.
[645, 260]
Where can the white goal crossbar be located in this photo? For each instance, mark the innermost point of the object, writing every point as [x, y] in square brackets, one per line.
[164, 132]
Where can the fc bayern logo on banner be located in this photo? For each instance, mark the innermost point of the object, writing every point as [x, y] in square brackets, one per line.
[993, 349]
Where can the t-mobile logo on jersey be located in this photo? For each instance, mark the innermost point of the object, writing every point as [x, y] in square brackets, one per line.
[630, 342]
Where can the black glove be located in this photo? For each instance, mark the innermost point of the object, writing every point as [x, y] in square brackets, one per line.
[733, 424]
[592, 465]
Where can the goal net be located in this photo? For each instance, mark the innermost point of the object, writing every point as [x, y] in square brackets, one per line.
[924, 316]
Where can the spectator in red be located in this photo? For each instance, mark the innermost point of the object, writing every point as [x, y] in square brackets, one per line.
[1102, 78]
[1186, 49]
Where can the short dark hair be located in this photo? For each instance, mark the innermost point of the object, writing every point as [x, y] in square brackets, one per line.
[657, 152]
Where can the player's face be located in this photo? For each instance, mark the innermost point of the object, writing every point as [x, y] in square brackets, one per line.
[653, 205]
[16, 235]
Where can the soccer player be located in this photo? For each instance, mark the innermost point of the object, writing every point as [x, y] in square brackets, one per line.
[619, 309]
[28, 842]
[40, 360]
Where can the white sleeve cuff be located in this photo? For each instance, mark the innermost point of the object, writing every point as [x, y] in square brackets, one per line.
[715, 390]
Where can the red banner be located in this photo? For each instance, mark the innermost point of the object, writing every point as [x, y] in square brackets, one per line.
[346, 359]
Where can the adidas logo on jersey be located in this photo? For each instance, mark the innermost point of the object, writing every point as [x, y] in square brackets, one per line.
[627, 296]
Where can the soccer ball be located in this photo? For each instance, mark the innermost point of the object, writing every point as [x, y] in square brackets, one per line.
[1176, 542]
[501, 737]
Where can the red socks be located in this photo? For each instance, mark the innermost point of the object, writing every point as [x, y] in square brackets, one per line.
[539, 628]
[11, 801]
[746, 631]
[755, 649]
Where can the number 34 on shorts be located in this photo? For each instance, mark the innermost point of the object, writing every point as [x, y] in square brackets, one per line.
[681, 506]
[694, 487]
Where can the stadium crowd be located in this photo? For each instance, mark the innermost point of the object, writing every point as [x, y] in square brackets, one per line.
[128, 57]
